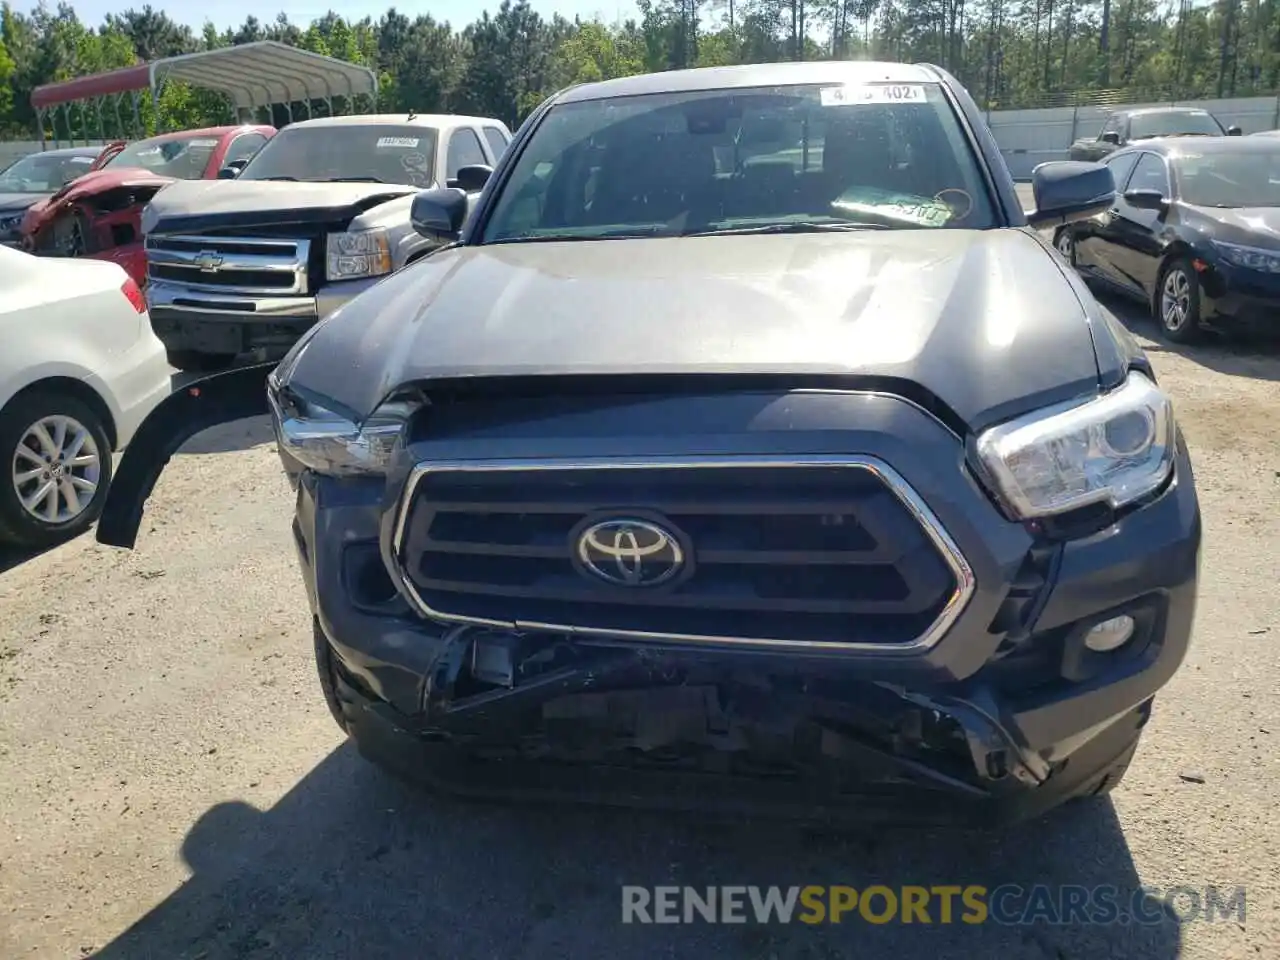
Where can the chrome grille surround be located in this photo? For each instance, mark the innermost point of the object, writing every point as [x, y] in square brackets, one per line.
[946, 548]
[230, 265]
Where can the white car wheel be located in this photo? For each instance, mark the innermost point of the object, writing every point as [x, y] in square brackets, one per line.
[58, 455]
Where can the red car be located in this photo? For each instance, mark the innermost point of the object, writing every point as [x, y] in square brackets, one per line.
[97, 215]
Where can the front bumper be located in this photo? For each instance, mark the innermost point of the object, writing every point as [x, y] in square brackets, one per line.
[1238, 298]
[1031, 716]
[206, 322]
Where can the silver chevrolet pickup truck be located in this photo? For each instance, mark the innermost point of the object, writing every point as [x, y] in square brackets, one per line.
[248, 262]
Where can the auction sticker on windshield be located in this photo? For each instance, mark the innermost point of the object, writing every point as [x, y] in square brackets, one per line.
[875, 93]
[406, 142]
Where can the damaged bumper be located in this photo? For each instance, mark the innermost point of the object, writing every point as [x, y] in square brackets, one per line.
[1005, 716]
[621, 727]
[924, 738]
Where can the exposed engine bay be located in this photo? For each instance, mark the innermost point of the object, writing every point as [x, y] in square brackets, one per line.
[93, 224]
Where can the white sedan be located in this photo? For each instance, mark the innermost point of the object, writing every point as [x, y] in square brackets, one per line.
[79, 370]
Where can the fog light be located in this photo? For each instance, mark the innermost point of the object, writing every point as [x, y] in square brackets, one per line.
[1109, 634]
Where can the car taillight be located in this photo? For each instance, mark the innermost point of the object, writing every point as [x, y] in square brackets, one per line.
[134, 295]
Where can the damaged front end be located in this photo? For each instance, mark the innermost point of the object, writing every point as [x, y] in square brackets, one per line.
[828, 653]
[545, 717]
[101, 219]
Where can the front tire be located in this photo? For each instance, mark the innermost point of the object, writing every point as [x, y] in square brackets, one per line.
[1065, 243]
[192, 361]
[1176, 304]
[57, 455]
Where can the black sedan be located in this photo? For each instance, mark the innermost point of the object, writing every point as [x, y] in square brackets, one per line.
[1194, 232]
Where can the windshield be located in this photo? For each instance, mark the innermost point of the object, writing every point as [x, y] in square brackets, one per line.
[1228, 179]
[375, 152]
[812, 157]
[41, 173]
[185, 158]
[1147, 125]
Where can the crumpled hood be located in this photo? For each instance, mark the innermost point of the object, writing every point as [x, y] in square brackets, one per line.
[190, 204]
[108, 178]
[985, 320]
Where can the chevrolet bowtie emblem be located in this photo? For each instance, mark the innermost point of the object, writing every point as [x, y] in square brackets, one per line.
[208, 261]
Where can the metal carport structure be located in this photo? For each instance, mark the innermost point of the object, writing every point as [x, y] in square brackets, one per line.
[251, 75]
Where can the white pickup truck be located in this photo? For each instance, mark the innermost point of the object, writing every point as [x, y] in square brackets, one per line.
[249, 261]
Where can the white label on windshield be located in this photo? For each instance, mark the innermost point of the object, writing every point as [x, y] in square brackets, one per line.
[82, 159]
[876, 93]
[202, 143]
[406, 142]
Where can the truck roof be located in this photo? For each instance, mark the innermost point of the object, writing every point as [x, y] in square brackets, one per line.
[755, 75]
[436, 120]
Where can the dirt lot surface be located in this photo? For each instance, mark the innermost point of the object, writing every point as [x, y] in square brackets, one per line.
[173, 787]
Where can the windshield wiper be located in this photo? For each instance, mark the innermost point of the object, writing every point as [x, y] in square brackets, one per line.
[351, 180]
[292, 179]
[794, 226]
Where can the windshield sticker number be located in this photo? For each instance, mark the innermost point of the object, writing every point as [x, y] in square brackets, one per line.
[872, 93]
[202, 143]
[408, 143]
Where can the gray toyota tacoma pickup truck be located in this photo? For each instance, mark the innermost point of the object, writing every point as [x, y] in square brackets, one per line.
[318, 215]
[746, 448]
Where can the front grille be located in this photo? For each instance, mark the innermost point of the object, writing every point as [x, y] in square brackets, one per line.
[246, 265]
[815, 552]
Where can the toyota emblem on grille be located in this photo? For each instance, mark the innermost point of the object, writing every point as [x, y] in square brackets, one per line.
[630, 553]
[208, 261]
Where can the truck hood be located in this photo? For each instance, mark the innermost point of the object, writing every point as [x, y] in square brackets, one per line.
[985, 321]
[202, 204]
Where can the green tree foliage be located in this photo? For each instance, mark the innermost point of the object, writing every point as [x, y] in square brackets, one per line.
[1009, 52]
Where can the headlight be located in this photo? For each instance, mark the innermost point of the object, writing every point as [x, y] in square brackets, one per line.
[1115, 449]
[329, 443]
[1251, 258]
[10, 222]
[361, 253]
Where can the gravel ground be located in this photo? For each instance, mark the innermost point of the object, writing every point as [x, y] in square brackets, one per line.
[173, 786]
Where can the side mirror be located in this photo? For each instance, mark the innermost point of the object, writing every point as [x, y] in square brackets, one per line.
[1146, 200]
[472, 177]
[232, 169]
[1069, 190]
[1234, 131]
[1110, 136]
[439, 214]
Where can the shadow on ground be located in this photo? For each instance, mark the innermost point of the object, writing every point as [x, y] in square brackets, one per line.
[227, 437]
[353, 863]
[11, 557]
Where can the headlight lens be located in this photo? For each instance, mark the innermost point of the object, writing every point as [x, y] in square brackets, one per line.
[328, 443]
[10, 222]
[1115, 449]
[1251, 258]
[361, 253]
